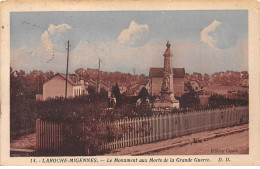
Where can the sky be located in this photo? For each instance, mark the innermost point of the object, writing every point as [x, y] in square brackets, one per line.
[202, 41]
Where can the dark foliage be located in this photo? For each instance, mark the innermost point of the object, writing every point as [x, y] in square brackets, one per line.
[189, 100]
[117, 95]
[92, 90]
[143, 93]
[218, 101]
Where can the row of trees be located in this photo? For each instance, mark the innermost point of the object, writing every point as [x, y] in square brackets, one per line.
[28, 85]
[110, 77]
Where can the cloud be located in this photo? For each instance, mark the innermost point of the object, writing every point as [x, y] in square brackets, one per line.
[200, 57]
[118, 57]
[135, 35]
[205, 34]
[35, 57]
[54, 42]
[193, 56]
[52, 34]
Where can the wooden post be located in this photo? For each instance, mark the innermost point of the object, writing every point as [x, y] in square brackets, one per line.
[134, 131]
[37, 133]
[120, 140]
[144, 124]
[45, 136]
[150, 129]
[170, 125]
[40, 134]
[125, 133]
[67, 68]
[142, 133]
[141, 130]
[153, 128]
[131, 132]
[160, 127]
[137, 131]
[157, 127]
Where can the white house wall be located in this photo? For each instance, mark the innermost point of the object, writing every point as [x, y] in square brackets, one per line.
[56, 88]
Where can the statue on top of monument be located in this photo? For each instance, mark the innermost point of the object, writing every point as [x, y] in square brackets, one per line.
[166, 83]
[168, 44]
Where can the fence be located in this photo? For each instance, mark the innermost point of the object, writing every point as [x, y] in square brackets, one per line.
[53, 136]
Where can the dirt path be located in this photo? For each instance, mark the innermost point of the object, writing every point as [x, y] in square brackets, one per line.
[24, 142]
[232, 144]
[242, 142]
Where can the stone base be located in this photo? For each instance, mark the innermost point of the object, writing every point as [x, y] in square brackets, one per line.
[170, 105]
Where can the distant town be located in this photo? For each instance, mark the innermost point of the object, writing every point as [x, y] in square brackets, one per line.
[93, 111]
[228, 83]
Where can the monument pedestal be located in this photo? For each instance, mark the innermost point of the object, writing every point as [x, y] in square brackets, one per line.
[167, 100]
[170, 105]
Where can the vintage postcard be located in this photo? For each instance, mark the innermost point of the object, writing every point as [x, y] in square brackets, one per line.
[130, 82]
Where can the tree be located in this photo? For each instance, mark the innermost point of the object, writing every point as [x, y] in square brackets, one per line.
[16, 86]
[103, 93]
[92, 90]
[117, 94]
[143, 93]
[79, 72]
[190, 99]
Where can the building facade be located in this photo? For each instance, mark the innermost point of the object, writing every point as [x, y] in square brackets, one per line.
[56, 86]
[156, 80]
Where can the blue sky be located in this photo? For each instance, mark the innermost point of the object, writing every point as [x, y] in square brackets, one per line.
[202, 41]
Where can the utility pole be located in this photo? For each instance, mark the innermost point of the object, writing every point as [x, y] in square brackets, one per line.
[68, 50]
[38, 84]
[98, 81]
[134, 71]
[134, 75]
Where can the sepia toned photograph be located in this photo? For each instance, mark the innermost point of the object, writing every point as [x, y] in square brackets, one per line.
[129, 83]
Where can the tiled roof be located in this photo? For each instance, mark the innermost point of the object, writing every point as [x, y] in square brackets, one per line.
[92, 81]
[69, 78]
[200, 82]
[158, 72]
[95, 83]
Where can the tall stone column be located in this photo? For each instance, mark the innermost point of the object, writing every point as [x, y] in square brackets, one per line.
[167, 98]
[167, 85]
[167, 91]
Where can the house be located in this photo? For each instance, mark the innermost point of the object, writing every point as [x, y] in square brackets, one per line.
[197, 85]
[102, 85]
[55, 87]
[134, 89]
[156, 80]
